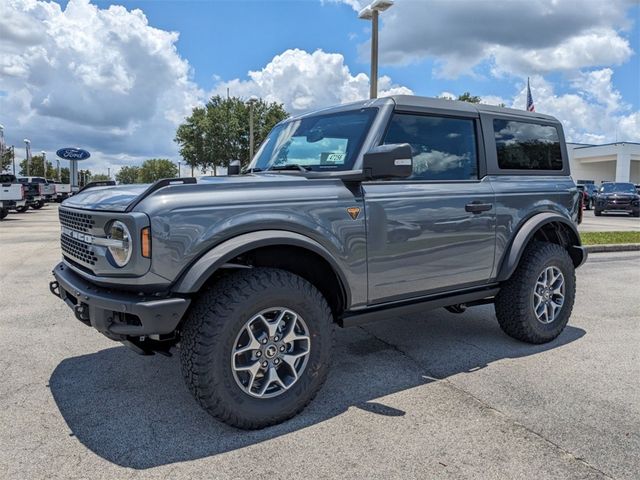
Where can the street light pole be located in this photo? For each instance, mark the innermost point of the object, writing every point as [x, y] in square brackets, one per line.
[371, 12]
[27, 146]
[179, 170]
[2, 146]
[373, 81]
[44, 163]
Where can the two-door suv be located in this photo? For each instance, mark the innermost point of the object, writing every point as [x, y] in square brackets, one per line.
[344, 216]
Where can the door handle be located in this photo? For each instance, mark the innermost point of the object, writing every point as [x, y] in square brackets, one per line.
[478, 207]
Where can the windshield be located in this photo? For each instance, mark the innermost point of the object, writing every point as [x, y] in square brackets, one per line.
[618, 187]
[319, 142]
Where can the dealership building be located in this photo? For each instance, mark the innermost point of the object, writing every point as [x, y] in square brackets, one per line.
[619, 162]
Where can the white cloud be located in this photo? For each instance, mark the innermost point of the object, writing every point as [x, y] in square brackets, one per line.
[103, 79]
[516, 36]
[304, 81]
[594, 113]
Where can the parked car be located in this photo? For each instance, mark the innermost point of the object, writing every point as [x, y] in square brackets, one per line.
[336, 221]
[12, 194]
[590, 191]
[618, 197]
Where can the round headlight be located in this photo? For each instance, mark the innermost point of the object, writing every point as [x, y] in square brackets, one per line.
[121, 250]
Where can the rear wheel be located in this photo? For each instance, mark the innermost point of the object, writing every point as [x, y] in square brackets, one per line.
[597, 212]
[22, 209]
[3, 213]
[636, 213]
[256, 346]
[534, 305]
[37, 206]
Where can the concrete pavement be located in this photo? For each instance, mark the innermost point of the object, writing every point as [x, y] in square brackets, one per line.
[435, 395]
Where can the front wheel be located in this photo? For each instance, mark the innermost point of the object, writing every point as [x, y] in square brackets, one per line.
[3, 213]
[535, 304]
[22, 209]
[597, 212]
[256, 346]
[38, 205]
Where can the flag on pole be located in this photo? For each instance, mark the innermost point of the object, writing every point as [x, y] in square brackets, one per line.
[530, 106]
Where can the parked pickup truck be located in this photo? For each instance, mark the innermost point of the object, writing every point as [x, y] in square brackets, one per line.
[63, 191]
[348, 215]
[12, 194]
[38, 192]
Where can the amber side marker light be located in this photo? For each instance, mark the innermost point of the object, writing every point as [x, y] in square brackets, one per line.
[145, 242]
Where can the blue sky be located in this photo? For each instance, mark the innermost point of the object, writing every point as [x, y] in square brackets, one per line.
[118, 77]
[333, 27]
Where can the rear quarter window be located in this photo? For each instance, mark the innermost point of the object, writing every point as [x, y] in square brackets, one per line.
[527, 146]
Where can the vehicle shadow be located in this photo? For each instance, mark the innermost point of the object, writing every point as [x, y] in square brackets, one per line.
[136, 411]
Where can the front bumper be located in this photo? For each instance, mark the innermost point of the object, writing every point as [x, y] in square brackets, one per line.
[117, 314]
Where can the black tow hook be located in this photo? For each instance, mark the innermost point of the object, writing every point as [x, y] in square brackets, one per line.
[54, 287]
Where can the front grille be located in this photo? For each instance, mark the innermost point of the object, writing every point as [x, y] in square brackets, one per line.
[82, 222]
[78, 250]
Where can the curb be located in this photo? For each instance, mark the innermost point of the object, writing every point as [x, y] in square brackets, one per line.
[617, 247]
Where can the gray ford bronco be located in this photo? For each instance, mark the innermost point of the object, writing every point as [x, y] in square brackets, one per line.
[344, 216]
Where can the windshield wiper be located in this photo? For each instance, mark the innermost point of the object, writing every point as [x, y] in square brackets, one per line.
[290, 166]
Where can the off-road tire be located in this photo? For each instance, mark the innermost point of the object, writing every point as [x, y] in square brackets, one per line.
[514, 303]
[210, 331]
[22, 209]
[3, 213]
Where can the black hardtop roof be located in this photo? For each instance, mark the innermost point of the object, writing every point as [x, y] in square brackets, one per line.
[443, 105]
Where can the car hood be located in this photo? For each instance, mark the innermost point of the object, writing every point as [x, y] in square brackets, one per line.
[115, 199]
[120, 198]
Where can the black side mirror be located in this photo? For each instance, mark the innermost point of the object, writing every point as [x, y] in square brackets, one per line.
[234, 167]
[388, 161]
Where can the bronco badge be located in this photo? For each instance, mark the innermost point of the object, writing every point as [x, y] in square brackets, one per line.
[353, 212]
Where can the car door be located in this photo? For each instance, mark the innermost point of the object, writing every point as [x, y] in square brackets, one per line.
[434, 231]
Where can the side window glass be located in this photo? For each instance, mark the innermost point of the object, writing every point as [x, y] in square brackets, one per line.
[443, 148]
[527, 146]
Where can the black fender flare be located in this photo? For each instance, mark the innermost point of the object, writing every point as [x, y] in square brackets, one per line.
[197, 274]
[526, 232]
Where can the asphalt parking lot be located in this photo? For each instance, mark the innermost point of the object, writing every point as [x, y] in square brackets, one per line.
[436, 395]
[609, 222]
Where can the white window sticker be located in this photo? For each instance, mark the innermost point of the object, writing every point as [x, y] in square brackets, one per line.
[332, 158]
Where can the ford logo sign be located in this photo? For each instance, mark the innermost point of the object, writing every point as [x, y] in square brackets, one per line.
[73, 154]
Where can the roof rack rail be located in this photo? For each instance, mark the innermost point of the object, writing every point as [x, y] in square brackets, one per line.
[164, 182]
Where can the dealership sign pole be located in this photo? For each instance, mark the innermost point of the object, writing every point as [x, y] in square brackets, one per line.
[74, 155]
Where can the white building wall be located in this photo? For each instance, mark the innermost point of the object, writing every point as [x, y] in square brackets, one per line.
[598, 172]
[619, 162]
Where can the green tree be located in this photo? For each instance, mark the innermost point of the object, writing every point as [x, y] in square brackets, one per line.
[155, 169]
[467, 97]
[36, 169]
[84, 177]
[128, 175]
[65, 175]
[219, 132]
[6, 160]
[99, 177]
